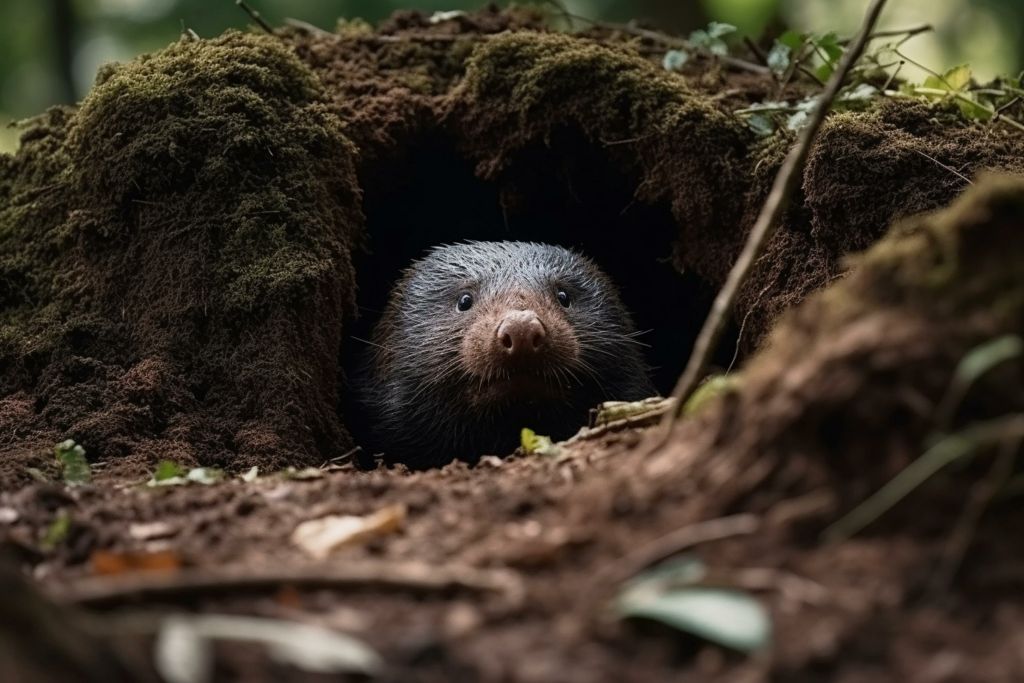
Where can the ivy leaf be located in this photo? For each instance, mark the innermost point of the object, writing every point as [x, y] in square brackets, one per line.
[829, 44]
[73, 465]
[718, 29]
[170, 473]
[791, 39]
[779, 58]
[674, 60]
[956, 79]
[763, 126]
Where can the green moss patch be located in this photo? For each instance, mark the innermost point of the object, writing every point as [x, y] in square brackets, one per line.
[183, 241]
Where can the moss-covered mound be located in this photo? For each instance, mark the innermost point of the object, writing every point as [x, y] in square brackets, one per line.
[180, 251]
[176, 262]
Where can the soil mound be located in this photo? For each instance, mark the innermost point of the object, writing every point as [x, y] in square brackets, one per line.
[181, 253]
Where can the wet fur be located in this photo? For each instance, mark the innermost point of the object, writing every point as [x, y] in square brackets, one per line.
[426, 382]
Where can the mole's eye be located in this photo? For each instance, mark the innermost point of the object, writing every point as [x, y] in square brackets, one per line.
[564, 298]
[465, 302]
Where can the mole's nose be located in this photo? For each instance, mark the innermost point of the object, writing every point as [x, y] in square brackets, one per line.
[521, 334]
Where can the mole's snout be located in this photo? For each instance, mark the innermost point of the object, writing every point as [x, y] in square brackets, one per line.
[521, 335]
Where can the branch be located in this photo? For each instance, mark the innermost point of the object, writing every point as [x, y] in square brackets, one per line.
[767, 222]
[673, 41]
[409, 576]
[255, 16]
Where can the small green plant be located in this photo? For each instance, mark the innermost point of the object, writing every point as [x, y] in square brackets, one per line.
[709, 40]
[169, 473]
[74, 468]
[537, 444]
[57, 532]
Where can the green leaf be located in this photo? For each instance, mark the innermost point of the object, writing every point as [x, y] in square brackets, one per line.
[779, 58]
[700, 38]
[763, 126]
[729, 618]
[674, 60]
[718, 29]
[956, 79]
[710, 389]
[984, 357]
[829, 44]
[824, 72]
[57, 532]
[791, 39]
[170, 473]
[74, 468]
[959, 77]
[536, 444]
[168, 469]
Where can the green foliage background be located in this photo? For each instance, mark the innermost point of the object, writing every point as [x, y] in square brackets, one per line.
[37, 37]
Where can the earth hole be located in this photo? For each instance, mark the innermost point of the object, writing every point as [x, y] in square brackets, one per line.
[566, 192]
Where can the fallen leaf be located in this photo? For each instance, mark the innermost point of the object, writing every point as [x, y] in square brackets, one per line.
[321, 537]
[106, 562]
[184, 653]
[150, 530]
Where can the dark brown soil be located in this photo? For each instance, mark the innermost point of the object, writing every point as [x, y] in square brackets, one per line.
[187, 257]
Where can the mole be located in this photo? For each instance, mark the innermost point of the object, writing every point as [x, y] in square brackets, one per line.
[481, 339]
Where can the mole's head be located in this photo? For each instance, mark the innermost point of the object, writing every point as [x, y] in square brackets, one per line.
[483, 338]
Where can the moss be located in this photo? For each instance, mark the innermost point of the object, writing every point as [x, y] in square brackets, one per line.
[850, 380]
[522, 89]
[204, 211]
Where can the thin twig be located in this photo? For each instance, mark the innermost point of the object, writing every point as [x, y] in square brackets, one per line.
[767, 222]
[981, 496]
[255, 16]
[907, 33]
[390, 576]
[950, 449]
[672, 41]
[945, 166]
[1004, 107]
[674, 543]
[307, 27]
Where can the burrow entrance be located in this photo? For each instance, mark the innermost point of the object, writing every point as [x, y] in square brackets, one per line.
[565, 192]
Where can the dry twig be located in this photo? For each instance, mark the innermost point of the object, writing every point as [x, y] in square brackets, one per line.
[410, 576]
[255, 16]
[767, 222]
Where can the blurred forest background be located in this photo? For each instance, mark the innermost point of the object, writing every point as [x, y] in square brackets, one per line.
[50, 49]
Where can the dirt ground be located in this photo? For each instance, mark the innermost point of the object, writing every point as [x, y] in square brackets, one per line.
[193, 293]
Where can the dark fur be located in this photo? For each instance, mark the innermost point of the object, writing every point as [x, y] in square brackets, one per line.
[420, 392]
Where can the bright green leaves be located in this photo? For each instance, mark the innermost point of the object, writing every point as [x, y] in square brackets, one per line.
[170, 473]
[709, 40]
[711, 37]
[818, 52]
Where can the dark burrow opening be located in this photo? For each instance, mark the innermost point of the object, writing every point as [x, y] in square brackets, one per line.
[565, 192]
